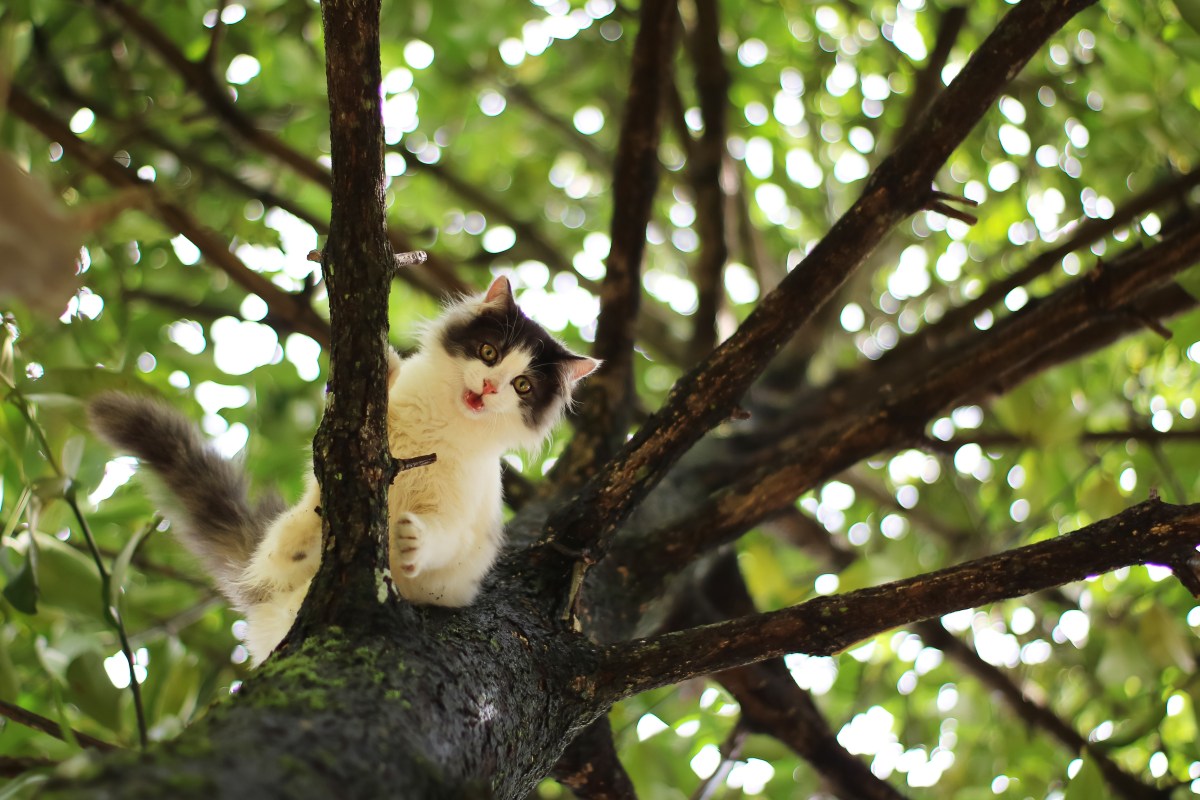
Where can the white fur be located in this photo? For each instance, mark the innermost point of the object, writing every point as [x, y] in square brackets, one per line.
[446, 523]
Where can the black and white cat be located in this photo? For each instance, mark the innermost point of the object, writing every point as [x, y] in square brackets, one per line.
[485, 379]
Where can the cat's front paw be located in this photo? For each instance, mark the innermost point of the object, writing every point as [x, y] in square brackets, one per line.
[408, 531]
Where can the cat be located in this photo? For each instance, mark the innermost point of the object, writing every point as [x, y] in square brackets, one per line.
[485, 379]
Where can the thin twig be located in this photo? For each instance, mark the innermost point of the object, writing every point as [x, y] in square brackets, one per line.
[218, 33]
[285, 307]
[111, 614]
[929, 79]
[216, 96]
[1032, 712]
[731, 751]
[408, 259]
[48, 726]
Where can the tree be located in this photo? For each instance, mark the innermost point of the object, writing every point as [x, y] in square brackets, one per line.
[914, 421]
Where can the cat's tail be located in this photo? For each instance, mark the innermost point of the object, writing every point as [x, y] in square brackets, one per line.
[205, 494]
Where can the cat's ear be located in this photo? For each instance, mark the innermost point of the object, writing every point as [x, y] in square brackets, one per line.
[500, 294]
[580, 367]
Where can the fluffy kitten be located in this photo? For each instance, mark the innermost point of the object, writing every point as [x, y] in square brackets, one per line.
[485, 379]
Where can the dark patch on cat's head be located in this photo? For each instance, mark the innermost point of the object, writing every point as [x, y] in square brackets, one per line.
[504, 326]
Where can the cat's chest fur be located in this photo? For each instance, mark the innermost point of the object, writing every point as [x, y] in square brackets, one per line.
[423, 419]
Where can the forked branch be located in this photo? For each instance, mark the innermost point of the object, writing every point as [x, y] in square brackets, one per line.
[792, 461]
[899, 187]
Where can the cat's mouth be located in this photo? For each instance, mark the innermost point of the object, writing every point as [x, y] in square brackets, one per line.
[473, 400]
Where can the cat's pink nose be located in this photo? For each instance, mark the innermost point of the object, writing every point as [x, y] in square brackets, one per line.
[488, 387]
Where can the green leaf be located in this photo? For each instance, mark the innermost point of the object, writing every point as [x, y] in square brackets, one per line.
[72, 455]
[22, 591]
[6, 359]
[68, 579]
[1189, 279]
[23, 786]
[120, 567]
[50, 489]
[1189, 10]
[1087, 784]
[93, 692]
[15, 518]
[179, 687]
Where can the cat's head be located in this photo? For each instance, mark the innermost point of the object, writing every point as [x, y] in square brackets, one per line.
[510, 373]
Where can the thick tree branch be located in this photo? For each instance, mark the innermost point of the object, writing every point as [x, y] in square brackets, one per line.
[607, 397]
[900, 186]
[466, 703]
[590, 766]
[350, 454]
[1152, 532]
[792, 463]
[289, 310]
[706, 159]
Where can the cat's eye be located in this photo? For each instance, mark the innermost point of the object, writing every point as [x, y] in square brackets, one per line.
[488, 353]
[522, 384]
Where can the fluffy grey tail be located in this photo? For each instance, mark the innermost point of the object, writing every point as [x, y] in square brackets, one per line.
[205, 495]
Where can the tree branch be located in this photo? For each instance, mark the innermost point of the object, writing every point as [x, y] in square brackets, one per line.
[792, 462]
[900, 186]
[929, 79]
[1032, 712]
[290, 310]
[1006, 439]
[1152, 532]
[706, 160]
[957, 321]
[200, 80]
[770, 700]
[351, 459]
[50, 727]
[590, 766]
[15, 766]
[607, 397]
